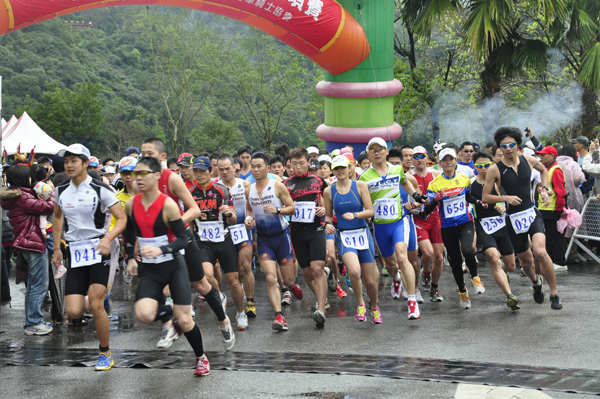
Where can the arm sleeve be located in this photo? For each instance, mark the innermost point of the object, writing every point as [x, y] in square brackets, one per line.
[558, 183]
[36, 206]
[538, 146]
[182, 239]
[129, 238]
[108, 197]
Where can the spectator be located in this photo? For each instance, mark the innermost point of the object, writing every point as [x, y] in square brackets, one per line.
[489, 147]
[536, 143]
[592, 168]
[581, 144]
[24, 209]
[574, 176]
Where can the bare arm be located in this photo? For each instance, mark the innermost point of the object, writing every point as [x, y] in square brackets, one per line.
[249, 221]
[537, 165]
[284, 195]
[363, 190]
[328, 205]
[178, 188]
[57, 228]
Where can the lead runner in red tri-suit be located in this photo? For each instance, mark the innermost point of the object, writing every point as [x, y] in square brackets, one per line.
[154, 222]
[429, 230]
[172, 185]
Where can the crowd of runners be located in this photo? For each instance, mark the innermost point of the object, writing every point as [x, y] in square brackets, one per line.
[179, 225]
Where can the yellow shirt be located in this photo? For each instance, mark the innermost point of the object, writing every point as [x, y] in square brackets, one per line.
[123, 196]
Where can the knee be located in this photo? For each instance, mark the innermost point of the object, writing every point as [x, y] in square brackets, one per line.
[145, 316]
[369, 283]
[185, 321]
[426, 254]
[438, 259]
[75, 311]
[510, 266]
[271, 279]
[540, 254]
[354, 274]
[233, 280]
[202, 286]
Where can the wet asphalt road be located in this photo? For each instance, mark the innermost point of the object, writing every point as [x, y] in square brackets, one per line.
[489, 332]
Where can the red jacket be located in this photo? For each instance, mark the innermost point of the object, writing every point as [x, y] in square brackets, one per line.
[558, 185]
[24, 208]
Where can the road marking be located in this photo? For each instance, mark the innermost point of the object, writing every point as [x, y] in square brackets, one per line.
[469, 391]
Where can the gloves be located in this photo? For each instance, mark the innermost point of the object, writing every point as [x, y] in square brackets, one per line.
[438, 196]
[419, 198]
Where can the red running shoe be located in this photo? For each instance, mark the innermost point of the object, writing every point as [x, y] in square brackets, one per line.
[340, 292]
[202, 367]
[279, 324]
[343, 269]
[297, 291]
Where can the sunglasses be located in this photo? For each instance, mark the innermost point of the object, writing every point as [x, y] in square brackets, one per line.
[468, 151]
[509, 145]
[377, 151]
[125, 172]
[419, 156]
[483, 165]
[141, 173]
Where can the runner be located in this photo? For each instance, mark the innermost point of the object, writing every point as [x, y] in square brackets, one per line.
[451, 189]
[216, 215]
[185, 163]
[82, 202]
[308, 234]
[154, 220]
[244, 155]
[351, 201]
[172, 185]
[490, 224]
[242, 238]
[429, 230]
[513, 174]
[391, 227]
[268, 202]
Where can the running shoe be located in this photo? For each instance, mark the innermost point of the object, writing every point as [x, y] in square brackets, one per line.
[286, 298]
[331, 283]
[250, 309]
[340, 292]
[178, 329]
[376, 316]
[360, 313]
[127, 278]
[348, 284]
[434, 295]
[413, 310]
[464, 267]
[168, 301]
[396, 288]
[228, 336]
[557, 268]
[202, 367]
[555, 302]
[538, 293]
[403, 292]
[327, 305]
[242, 321]
[522, 272]
[40, 329]
[279, 324]
[60, 271]
[201, 297]
[343, 270]
[425, 279]
[108, 304]
[223, 301]
[104, 362]
[192, 311]
[169, 334]
[465, 302]
[297, 291]
[419, 296]
[384, 272]
[319, 318]
[512, 302]
[82, 321]
[477, 285]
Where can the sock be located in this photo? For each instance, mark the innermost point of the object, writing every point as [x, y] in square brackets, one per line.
[412, 297]
[250, 299]
[398, 276]
[463, 290]
[285, 289]
[277, 313]
[424, 272]
[213, 298]
[104, 349]
[195, 339]
[434, 286]
[164, 313]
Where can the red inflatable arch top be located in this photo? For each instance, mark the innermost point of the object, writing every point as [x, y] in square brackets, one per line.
[320, 29]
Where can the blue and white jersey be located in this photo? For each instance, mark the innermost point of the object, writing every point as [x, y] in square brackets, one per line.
[271, 223]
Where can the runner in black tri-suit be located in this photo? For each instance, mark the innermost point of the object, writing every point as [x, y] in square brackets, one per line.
[155, 221]
[513, 174]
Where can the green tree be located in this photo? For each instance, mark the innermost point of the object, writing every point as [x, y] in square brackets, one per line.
[215, 134]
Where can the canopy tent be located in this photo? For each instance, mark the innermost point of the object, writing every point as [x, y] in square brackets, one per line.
[28, 134]
[11, 122]
[4, 123]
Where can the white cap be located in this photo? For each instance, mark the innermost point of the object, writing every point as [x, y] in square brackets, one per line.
[528, 151]
[109, 169]
[127, 163]
[376, 140]
[437, 147]
[324, 158]
[77, 149]
[419, 150]
[447, 151]
[312, 150]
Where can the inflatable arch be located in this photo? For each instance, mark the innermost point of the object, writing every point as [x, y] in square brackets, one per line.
[360, 86]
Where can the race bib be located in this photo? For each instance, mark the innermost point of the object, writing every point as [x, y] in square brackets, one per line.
[211, 231]
[239, 233]
[305, 212]
[455, 207]
[83, 253]
[521, 221]
[357, 239]
[492, 224]
[386, 208]
[155, 242]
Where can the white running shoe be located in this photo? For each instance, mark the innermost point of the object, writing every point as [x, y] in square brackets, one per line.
[403, 292]
[396, 288]
[413, 310]
[419, 296]
[286, 298]
[477, 285]
[557, 268]
[192, 311]
[242, 321]
[228, 336]
[168, 336]
[223, 301]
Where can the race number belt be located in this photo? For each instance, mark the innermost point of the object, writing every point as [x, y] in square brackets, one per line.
[357, 239]
[83, 253]
[305, 212]
[492, 224]
[521, 221]
[239, 233]
[155, 242]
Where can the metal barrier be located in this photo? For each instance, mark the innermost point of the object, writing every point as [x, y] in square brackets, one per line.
[589, 229]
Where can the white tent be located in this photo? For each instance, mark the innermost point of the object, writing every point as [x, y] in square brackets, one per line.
[11, 122]
[28, 134]
[4, 123]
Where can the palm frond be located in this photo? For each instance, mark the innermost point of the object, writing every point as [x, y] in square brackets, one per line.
[423, 15]
[590, 67]
[488, 25]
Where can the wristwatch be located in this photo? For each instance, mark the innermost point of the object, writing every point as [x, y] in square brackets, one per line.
[229, 215]
[546, 187]
[355, 215]
[278, 210]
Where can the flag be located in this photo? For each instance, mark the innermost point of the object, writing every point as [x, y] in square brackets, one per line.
[30, 159]
[4, 155]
